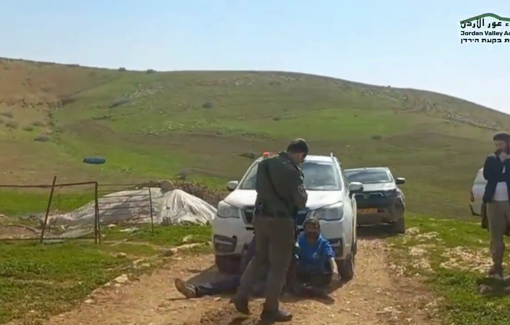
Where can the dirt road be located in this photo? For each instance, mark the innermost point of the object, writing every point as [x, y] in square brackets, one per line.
[375, 296]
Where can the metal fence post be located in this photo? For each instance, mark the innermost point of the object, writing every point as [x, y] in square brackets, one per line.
[43, 230]
[97, 230]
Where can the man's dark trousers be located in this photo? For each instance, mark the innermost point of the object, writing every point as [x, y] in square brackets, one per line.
[229, 285]
[274, 239]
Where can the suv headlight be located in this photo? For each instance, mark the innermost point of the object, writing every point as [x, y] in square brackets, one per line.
[391, 193]
[226, 210]
[330, 213]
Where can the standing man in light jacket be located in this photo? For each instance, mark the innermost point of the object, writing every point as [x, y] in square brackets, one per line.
[496, 171]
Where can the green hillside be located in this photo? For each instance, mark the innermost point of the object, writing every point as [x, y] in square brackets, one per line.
[152, 125]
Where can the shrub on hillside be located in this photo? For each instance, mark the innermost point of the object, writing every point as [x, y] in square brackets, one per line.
[208, 104]
[28, 128]
[42, 138]
[183, 174]
[150, 71]
[376, 137]
[249, 155]
[122, 69]
[38, 124]
[119, 102]
[7, 114]
[68, 100]
[12, 124]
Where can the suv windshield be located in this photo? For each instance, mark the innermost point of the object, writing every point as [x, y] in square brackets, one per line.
[368, 176]
[318, 176]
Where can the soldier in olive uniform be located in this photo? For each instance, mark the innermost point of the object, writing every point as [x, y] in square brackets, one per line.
[280, 195]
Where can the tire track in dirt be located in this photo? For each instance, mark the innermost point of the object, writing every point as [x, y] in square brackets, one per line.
[372, 297]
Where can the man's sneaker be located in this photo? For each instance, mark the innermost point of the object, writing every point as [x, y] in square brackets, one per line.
[496, 271]
[278, 316]
[319, 292]
[241, 304]
[186, 289]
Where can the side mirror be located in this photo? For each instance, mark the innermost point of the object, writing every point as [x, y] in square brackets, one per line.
[355, 187]
[232, 185]
[400, 180]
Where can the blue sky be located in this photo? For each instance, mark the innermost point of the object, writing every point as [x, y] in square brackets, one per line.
[413, 44]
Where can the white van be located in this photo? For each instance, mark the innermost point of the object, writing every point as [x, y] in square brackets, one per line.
[477, 193]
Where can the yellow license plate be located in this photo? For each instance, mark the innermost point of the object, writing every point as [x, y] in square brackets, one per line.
[367, 211]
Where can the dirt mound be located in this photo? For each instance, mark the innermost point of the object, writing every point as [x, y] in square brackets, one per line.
[17, 232]
[198, 189]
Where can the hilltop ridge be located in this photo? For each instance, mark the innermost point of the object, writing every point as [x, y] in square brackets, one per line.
[202, 124]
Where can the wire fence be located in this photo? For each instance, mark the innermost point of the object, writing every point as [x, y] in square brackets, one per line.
[120, 204]
[102, 205]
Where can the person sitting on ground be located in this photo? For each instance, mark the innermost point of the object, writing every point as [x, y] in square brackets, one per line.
[229, 285]
[311, 272]
[226, 286]
[315, 266]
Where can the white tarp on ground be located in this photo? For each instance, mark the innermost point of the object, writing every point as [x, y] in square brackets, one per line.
[172, 207]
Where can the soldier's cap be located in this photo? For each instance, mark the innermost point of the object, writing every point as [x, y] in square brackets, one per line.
[501, 136]
[298, 146]
[312, 221]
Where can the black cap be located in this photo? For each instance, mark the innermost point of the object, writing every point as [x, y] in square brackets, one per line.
[298, 146]
[501, 136]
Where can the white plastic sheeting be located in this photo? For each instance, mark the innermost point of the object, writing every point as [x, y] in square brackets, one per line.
[178, 206]
[172, 207]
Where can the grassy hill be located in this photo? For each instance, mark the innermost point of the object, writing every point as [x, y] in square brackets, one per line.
[151, 125]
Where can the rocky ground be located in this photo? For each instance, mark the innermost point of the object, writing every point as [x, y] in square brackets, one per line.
[377, 295]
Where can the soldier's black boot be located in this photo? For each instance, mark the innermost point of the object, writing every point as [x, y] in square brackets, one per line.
[279, 315]
[496, 271]
[241, 304]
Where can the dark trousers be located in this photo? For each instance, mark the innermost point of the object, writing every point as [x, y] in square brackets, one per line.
[302, 282]
[226, 286]
[313, 279]
[274, 238]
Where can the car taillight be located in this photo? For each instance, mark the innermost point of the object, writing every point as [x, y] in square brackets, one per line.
[471, 196]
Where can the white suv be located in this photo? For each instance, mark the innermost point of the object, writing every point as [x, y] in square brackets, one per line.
[476, 194]
[330, 199]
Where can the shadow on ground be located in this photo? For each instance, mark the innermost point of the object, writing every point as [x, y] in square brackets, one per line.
[491, 287]
[375, 232]
[211, 275]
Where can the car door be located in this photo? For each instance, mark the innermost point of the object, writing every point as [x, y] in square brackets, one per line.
[351, 220]
[354, 206]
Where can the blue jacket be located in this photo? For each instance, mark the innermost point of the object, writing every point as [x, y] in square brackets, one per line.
[314, 258]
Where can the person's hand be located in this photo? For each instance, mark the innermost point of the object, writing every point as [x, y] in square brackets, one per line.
[335, 276]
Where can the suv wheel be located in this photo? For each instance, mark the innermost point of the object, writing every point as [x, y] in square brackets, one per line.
[227, 264]
[347, 267]
[399, 226]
